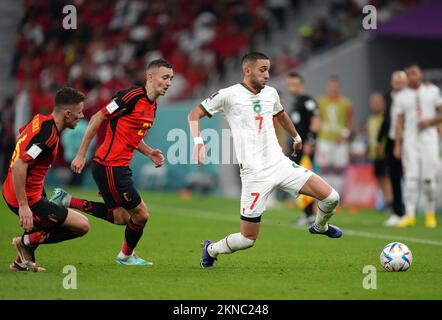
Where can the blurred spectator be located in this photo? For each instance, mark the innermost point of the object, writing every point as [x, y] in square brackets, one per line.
[22, 107]
[116, 38]
[7, 136]
[332, 151]
[387, 131]
[305, 116]
[376, 153]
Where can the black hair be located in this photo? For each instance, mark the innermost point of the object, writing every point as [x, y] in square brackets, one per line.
[68, 96]
[411, 65]
[253, 57]
[297, 76]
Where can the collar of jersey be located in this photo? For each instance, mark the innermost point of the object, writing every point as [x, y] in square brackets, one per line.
[248, 88]
[55, 125]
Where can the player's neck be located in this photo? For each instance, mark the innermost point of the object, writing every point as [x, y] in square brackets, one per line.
[151, 94]
[416, 86]
[58, 119]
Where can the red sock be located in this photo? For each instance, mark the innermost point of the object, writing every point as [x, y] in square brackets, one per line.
[76, 203]
[126, 249]
[37, 238]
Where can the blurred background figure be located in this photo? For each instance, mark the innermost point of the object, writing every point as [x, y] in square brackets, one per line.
[7, 136]
[71, 140]
[387, 133]
[305, 116]
[332, 152]
[376, 152]
[419, 114]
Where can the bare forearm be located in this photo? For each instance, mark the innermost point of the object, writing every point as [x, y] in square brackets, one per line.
[287, 124]
[19, 173]
[436, 120]
[92, 129]
[144, 148]
[194, 121]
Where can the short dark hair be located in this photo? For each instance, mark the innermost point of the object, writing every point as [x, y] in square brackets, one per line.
[333, 77]
[68, 96]
[296, 76]
[159, 63]
[411, 65]
[253, 57]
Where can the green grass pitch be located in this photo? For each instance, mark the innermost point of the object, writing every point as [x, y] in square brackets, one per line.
[286, 263]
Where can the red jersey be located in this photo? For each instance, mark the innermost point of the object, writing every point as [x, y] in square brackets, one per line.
[130, 115]
[37, 145]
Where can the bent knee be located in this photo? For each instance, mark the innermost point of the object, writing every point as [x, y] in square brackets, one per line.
[83, 227]
[330, 203]
[333, 198]
[140, 215]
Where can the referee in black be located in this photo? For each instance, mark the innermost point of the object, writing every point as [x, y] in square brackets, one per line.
[387, 131]
[305, 117]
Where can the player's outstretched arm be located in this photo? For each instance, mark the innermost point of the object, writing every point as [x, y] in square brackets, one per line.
[154, 154]
[79, 161]
[19, 172]
[285, 121]
[194, 126]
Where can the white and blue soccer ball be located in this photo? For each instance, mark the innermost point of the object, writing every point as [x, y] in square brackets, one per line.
[396, 256]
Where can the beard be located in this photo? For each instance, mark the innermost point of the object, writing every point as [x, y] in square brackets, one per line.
[256, 84]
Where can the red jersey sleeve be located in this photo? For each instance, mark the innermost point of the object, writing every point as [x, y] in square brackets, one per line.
[38, 143]
[123, 103]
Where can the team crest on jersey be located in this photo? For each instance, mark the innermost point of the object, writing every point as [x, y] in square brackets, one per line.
[127, 196]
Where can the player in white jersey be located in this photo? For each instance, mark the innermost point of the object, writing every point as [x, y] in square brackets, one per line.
[419, 108]
[249, 108]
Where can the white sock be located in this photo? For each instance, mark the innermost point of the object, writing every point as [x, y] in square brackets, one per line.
[26, 240]
[229, 244]
[326, 209]
[66, 201]
[121, 255]
[411, 195]
[429, 193]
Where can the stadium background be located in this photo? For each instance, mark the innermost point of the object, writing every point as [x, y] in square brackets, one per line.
[205, 41]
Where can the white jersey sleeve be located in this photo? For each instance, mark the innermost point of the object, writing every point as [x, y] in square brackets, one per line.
[277, 108]
[397, 105]
[215, 103]
[438, 97]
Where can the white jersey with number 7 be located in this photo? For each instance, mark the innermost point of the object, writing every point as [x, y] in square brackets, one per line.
[250, 117]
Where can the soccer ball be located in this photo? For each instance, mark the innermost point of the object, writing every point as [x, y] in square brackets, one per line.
[396, 257]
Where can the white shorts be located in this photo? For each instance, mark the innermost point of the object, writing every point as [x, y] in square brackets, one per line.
[331, 154]
[256, 188]
[421, 162]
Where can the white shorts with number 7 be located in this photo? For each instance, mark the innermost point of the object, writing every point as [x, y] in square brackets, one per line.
[256, 187]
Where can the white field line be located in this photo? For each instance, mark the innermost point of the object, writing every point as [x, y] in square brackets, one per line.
[216, 215]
